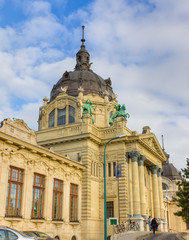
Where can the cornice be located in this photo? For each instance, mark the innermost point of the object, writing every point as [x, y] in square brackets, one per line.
[36, 149]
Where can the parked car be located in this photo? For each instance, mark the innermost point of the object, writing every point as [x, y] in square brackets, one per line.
[7, 233]
[38, 235]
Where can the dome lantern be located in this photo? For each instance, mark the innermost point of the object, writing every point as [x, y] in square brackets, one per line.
[82, 57]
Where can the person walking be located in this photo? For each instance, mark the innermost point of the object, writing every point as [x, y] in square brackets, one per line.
[154, 225]
[149, 223]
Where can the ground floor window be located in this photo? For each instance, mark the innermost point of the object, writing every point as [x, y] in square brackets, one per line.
[73, 202]
[38, 195]
[110, 209]
[57, 199]
[14, 192]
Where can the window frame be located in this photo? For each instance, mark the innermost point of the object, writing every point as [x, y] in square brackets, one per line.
[60, 199]
[52, 119]
[41, 191]
[74, 195]
[110, 209]
[71, 109]
[62, 117]
[109, 169]
[17, 212]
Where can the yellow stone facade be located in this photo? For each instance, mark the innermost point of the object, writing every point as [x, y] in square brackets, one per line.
[140, 156]
[19, 149]
[174, 223]
[69, 146]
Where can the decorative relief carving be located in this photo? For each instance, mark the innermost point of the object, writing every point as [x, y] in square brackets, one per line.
[150, 142]
[61, 104]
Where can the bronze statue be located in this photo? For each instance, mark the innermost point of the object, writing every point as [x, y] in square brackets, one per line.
[120, 112]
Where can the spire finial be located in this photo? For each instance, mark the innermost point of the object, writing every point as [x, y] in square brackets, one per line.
[83, 40]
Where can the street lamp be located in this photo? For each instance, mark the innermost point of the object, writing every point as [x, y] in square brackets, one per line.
[105, 208]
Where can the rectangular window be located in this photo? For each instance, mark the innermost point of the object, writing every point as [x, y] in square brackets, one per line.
[110, 209]
[14, 191]
[71, 114]
[61, 117]
[57, 199]
[73, 203]
[114, 166]
[38, 195]
[109, 169]
[51, 118]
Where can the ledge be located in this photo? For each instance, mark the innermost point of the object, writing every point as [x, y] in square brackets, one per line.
[74, 222]
[57, 221]
[13, 218]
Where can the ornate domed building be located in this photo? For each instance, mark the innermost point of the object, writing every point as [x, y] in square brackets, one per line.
[67, 172]
[78, 120]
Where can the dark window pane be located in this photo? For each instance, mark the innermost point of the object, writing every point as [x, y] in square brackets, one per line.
[71, 114]
[61, 117]
[51, 118]
[38, 196]
[165, 187]
[110, 209]
[114, 166]
[14, 192]
[109, 169]
[57, 199]
[74, 202]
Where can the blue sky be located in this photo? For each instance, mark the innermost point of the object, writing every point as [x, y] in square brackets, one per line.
[143, 46]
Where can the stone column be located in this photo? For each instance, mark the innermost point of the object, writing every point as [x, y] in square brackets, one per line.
[142, 186]
[155, 191]
[160, 193]
[135, 184]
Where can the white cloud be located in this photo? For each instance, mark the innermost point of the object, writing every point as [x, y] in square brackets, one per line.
[142, 47]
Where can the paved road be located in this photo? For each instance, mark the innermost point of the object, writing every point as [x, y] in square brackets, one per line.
[160, 236]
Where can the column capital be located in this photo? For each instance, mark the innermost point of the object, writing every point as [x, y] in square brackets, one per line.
[159, 172]
[134, 155]
[141, 160]
[154, 169]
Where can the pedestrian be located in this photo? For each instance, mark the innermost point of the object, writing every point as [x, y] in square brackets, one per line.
[154, 225]
[149, 223]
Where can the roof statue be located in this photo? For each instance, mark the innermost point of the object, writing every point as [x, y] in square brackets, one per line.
[87, 108]
[120, 112]
[14, 119]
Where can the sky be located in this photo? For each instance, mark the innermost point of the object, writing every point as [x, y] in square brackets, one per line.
[142, 45]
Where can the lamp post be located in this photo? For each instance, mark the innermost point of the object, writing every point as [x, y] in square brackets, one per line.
[105, 208]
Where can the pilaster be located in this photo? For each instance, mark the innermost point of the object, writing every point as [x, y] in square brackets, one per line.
[142, 186]
[159, 172]
[135, 184]
[155, 191]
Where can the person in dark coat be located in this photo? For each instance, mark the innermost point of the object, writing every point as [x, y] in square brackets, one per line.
[154, 225]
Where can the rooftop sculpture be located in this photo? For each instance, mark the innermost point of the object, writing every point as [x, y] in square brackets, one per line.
[120, 112]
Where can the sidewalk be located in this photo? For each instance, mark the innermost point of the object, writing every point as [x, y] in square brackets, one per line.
[130, 235]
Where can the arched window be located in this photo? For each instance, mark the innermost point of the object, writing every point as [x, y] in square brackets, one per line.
[164, 186]
[61, 117]
[71, 114]
[73, 238]
[51, 118]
